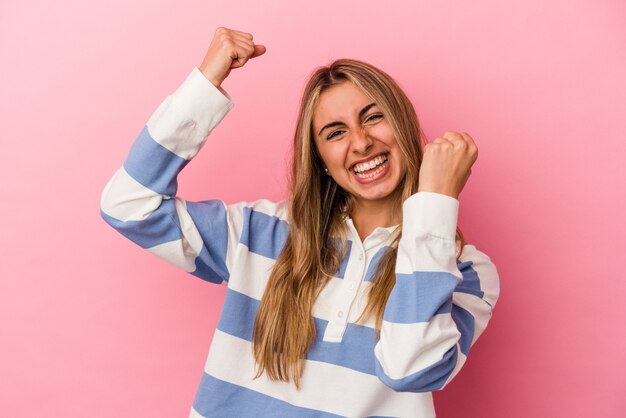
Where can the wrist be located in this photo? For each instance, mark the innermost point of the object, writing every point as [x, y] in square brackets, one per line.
[210, 75]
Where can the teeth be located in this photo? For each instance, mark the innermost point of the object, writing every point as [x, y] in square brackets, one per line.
[360, 168]
[373, 173]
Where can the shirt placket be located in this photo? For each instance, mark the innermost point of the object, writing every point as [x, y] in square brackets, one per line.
[349, 289]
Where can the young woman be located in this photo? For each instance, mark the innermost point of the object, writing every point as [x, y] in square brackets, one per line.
[352, 298]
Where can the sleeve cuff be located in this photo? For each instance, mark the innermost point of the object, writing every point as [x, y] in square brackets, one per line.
[432, 213]
[199, 91]
[197, 97]
[183, 121]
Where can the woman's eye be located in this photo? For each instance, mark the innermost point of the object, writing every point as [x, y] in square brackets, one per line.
[334, 134]
[373, 117]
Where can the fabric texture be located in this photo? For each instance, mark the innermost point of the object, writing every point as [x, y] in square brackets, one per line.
[435, 313]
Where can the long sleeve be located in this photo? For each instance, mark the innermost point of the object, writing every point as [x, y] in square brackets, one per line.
[140, 199]
[438, 306]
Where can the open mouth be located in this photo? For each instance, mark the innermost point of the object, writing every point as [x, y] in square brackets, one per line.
[370, 168]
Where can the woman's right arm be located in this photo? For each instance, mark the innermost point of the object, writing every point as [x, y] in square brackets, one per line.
[140, 199]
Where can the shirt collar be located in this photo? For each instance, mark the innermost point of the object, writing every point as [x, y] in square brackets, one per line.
[379, 236]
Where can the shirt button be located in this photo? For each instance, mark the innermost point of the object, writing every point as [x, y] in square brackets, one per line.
[361, 256]
[340, 314]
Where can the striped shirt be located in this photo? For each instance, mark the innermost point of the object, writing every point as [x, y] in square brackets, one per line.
[437, 309]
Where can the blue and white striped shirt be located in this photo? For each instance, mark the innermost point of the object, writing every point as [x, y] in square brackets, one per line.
[436, 311]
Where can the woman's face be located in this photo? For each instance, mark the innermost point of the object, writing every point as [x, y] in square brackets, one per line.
[357, 144]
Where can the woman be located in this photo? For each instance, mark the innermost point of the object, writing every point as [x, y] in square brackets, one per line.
[352, 298]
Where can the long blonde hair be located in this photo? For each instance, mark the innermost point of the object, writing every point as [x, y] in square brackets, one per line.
[284, 329]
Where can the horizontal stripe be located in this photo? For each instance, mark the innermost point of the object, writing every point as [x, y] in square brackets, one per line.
[478, 308]
[417, 297]
[344, 262]
[460, 362]
[236, 401]
[209, 217]
[173, 252]
[206, 268]
[371, 269]
[334, 389]
[355, 351]
[486, 271]
[238, 315]
[159, 227]
[252, 275]
[263, 234]
[405, 349]
[465, 323]
[250, 272]
[125, 199]
[426, 380]
[471, 282]
[153, 165]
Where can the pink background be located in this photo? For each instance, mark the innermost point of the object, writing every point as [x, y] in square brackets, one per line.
[91, 325]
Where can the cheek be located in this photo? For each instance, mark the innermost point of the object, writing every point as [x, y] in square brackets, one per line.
[383, 132]
[398, 158]
[332, 154]
[397, 155]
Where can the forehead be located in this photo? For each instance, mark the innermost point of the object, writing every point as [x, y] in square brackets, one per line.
[340, 102]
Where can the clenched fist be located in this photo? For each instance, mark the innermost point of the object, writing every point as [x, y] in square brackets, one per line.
[447, 164]
[229, 49]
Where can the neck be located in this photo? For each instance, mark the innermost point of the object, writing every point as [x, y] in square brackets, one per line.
[368, 216]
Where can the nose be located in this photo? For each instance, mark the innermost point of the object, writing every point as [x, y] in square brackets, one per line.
[361, 142]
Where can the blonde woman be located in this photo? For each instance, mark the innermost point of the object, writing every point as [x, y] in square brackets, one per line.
[355, 297]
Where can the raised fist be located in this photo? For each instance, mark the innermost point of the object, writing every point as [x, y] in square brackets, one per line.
[447, 164]
[229, 49]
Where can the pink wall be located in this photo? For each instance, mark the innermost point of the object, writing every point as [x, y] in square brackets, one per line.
[93, 326]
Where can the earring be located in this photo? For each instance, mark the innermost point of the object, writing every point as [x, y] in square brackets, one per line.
[326, 170]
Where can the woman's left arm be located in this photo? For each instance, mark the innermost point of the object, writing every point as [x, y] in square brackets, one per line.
[439, 306]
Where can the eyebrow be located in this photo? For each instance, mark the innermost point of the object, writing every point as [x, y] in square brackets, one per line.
[337, 123]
